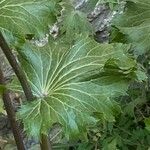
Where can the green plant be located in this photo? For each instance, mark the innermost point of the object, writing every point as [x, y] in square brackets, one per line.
[74, 81]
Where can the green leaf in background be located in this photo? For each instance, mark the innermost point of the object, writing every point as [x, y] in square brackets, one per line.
[134, 23]
[23, 17]
[2, 88]
[69, 85]
[1, 106]
[110, 144]
[89, 6]
[74, 23]
[147, 123]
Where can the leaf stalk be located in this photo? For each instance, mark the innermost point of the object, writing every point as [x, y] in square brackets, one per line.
[11, 115]
[16, 67]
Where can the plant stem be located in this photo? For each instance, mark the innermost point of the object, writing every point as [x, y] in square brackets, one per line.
[11, 115]
[17, 69]
[45, 143]
[23, 81]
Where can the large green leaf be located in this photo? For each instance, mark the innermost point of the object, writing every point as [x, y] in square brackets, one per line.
[27, 16]
[135, 22]
[72, 84]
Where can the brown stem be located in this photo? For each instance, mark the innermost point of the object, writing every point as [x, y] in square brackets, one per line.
[17, 69]
[45, 143]
[23, 80]
[11, 115]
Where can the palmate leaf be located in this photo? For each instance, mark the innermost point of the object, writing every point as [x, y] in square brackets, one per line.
[71, 85]
[22, 17]
[134, 23]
